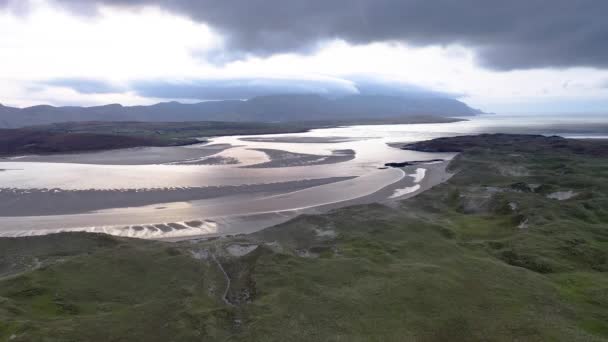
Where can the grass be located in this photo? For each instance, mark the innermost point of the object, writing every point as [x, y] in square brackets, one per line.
[451, 264]
[138, 288]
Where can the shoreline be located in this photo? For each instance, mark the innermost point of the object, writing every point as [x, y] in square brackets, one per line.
[51, 132]
[178, 229]
[31, 202]
[142, 155]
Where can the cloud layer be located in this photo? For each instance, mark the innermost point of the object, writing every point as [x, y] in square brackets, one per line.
[239, 88]
[85, 85]
[506, 34]
[246, 88]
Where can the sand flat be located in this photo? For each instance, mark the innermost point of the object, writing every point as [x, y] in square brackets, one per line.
[279, 158]
[163, 193]
[44, 202]
[131, 156]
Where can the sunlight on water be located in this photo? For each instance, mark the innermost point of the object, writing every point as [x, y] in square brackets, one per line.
[227, 161]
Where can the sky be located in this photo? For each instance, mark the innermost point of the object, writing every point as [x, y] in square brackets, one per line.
[521, 56]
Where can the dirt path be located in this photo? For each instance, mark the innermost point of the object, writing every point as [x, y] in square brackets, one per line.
[228, 282]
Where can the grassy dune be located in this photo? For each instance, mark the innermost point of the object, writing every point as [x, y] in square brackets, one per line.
[487, 256]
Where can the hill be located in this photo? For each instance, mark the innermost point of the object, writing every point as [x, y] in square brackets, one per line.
[275, 108]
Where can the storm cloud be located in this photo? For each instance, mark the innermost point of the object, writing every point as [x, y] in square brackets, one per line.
[505, 34]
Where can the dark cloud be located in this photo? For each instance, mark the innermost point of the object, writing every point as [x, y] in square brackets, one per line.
[506, 34]
[84, 85]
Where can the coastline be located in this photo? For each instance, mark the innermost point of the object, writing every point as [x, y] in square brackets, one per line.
[240, 214]
[91, 137]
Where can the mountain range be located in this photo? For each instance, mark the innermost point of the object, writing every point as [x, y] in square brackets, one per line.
[272, 108]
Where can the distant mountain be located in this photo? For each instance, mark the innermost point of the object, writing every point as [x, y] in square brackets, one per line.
[274, 108]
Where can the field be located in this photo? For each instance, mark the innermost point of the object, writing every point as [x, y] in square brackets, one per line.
[513, 247]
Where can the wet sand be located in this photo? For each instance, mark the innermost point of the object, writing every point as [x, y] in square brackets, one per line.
[232, 214]
[40, 202]
[130, 156]
[435, 173]
[190, 214]
[213, 160]
[279, 158]
[300, 140]
[225, 209]
[230, 186]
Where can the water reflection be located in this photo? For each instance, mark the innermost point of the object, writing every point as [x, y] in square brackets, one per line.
[159, 168]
